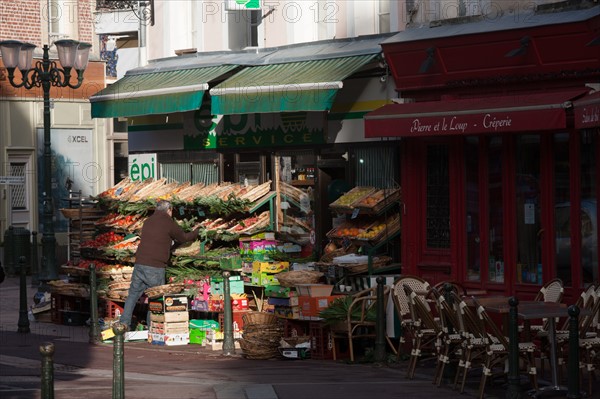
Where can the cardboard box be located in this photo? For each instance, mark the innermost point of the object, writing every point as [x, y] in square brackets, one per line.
[314, 290]
[170, 339]
[312, 306]
[292, 301]
[197, 336]
[205, 325]
[232, 262]
[179, 327]
[169, 303]
[279, 291]
[170, 317]
[262, 279]
[287, 312]
[200, 305]
[136, 335]
[107, 334]
[251, 249]
[270, 267]
[236, 285]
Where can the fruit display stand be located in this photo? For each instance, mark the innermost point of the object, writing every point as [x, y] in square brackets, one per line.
[296, 223]
[372, 222]
[223, 212]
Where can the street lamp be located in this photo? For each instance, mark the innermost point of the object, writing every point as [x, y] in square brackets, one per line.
[44, 74]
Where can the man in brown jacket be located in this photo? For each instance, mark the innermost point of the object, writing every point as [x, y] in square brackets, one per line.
[153, 253]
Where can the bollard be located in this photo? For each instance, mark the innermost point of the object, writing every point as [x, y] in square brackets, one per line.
[380, 322]
[21, 243]
[514, 387]
[228, 343]
[94, 327]
[118, 391]
[573, 391]
[23, 323]
[35, 266]
[47, 350]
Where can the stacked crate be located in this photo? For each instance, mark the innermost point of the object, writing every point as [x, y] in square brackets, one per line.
[169, 320]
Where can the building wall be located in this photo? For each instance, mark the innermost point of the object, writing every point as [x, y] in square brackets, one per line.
[19, 20]
[21, 110]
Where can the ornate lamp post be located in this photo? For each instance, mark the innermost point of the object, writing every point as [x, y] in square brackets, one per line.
[44, 74]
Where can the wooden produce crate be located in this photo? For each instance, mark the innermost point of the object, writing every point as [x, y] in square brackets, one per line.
[349, 229]
[344, 203]
[378, 200]
[379, 231]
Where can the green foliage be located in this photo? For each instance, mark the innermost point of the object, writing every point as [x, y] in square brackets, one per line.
[217, 206]
[337, 311]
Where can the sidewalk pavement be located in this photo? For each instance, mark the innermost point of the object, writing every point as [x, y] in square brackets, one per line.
[84, 370]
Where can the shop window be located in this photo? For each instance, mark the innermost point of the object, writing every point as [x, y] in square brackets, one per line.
[377, 167]
[589, 208]
[243, 28]
[248, 168]
[472, 211]
[383, 14]
[529, 224]
[562, 208]
[495, 243]
[18, 199]
[206, 173]
[438, 198]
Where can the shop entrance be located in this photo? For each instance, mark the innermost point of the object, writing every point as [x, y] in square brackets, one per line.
[430, 231]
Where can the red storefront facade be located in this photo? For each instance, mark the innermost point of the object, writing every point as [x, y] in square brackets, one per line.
[498, 130]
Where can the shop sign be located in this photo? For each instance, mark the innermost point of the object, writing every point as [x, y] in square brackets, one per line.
[255, 130]
[142, 167]
[243, 5]
[72, 169]
[587, 116]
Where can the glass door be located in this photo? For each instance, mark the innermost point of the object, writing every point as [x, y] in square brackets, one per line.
[529, 224]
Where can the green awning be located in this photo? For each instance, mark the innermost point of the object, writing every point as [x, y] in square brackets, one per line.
[285, 87]
[156, 92]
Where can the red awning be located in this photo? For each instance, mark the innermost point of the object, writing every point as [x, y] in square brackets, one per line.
[492, 115]
[587, 111]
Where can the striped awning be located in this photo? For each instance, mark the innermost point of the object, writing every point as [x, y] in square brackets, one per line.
[156, 93]
[285, 87]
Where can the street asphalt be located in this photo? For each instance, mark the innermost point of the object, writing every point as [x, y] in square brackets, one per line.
[85, 370]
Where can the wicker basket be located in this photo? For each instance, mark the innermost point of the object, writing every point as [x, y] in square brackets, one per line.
[251, 318]
[261, 338]
[291, 279]
[328, 257]
[73, 213]
[358, 268]
[166, 289]
[254, 350]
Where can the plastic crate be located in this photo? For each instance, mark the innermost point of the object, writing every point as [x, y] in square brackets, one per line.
[294, 328]
[66, 303]
[112, 310]
[237, 321]
[320, 341]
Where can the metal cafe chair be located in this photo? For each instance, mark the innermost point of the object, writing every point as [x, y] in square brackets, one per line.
[451, 338]
[496, 352]
[427, 331]
[552, 291]
[402, 307]
[475, 340]
[584, 301]
[589, 340]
